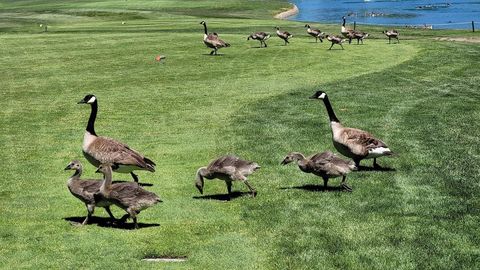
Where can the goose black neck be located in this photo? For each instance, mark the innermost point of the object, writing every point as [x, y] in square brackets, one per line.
[331, 113]
[91, 120]
[205, 28]
[343, 24]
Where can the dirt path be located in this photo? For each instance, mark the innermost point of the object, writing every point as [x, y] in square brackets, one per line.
[287, 13]
[460, 39]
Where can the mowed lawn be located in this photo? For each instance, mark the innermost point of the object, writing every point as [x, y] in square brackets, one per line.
[420, 96]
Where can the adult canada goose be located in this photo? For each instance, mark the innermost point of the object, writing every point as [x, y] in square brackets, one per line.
[345, 31]
[335, 40]
[283, 35]
[359, 36]
[212, 40]
[227, 168]
[326, 165]
[392, 34]
[260, 36]
[85, 189]
[350, 142]
[129, 196]
[316, 33]
[99, 149]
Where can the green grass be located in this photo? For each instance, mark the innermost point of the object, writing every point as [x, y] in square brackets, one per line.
[420, 96]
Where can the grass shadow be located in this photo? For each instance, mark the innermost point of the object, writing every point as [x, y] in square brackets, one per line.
[316, 188]
[125, 181]
[106, 223]
[375, 169]
[223, 197]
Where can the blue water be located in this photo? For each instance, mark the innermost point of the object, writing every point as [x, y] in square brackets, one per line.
[440, 14]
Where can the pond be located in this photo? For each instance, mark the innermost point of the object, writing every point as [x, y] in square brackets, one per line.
[457, 14]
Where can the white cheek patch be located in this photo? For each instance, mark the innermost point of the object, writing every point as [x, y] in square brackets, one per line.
[91, 100]
[322, 96]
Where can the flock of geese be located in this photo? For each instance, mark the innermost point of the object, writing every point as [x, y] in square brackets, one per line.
[213, 41]
[109, 155]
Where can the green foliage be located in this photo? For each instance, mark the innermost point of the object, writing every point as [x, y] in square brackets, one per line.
[419, 96]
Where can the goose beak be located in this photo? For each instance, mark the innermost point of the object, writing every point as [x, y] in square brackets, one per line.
[68, 167]
[313, 97]
[81, 102]
[98, 171]
[283, 162]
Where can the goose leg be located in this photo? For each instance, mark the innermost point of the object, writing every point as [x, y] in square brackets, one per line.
[325, 183]
[357, 163]
[265, 44]
[389, 40]
[398, 40]
[211, 53]
[133, 215]
[229, 188]
[341, 46]
[112, 217]
[344, 184]
[252, 190]
[331, 46]
[375, 165]
[90, 209]
[135, 177]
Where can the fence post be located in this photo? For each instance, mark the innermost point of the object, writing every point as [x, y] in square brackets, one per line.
[473, 26]
[355, 25]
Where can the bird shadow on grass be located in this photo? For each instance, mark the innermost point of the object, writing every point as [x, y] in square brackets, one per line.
[316, 188]
[140, 184]
[213, 55]
[375, 169]
[223, 197]
[106, 222]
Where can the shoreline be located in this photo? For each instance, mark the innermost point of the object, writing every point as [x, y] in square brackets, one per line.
[287, 13]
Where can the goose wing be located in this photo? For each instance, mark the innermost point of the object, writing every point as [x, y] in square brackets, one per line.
[127, 193]
[90, 186]
[108, 150]
[229, 165]
[330, 164]
[361, 142]
[215, 41]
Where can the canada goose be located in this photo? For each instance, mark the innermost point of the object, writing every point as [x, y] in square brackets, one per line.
[283, 35]
[392, 34]
[260, 36]
[228, 168]
[316, 33]
[359, 36]
[350, 142]
[345, 31]
[99, 149]
[85, 189]
[335, 40]
[326, 165]
[129, 196]
[212, 41]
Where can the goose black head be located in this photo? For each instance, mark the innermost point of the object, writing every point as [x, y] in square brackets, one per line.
[202, 22]
[73, 165]
[88, 99]
[319, 95]
[306, 25]
[276, 27]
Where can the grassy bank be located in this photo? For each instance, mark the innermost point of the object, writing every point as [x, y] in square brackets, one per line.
[419, 96]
